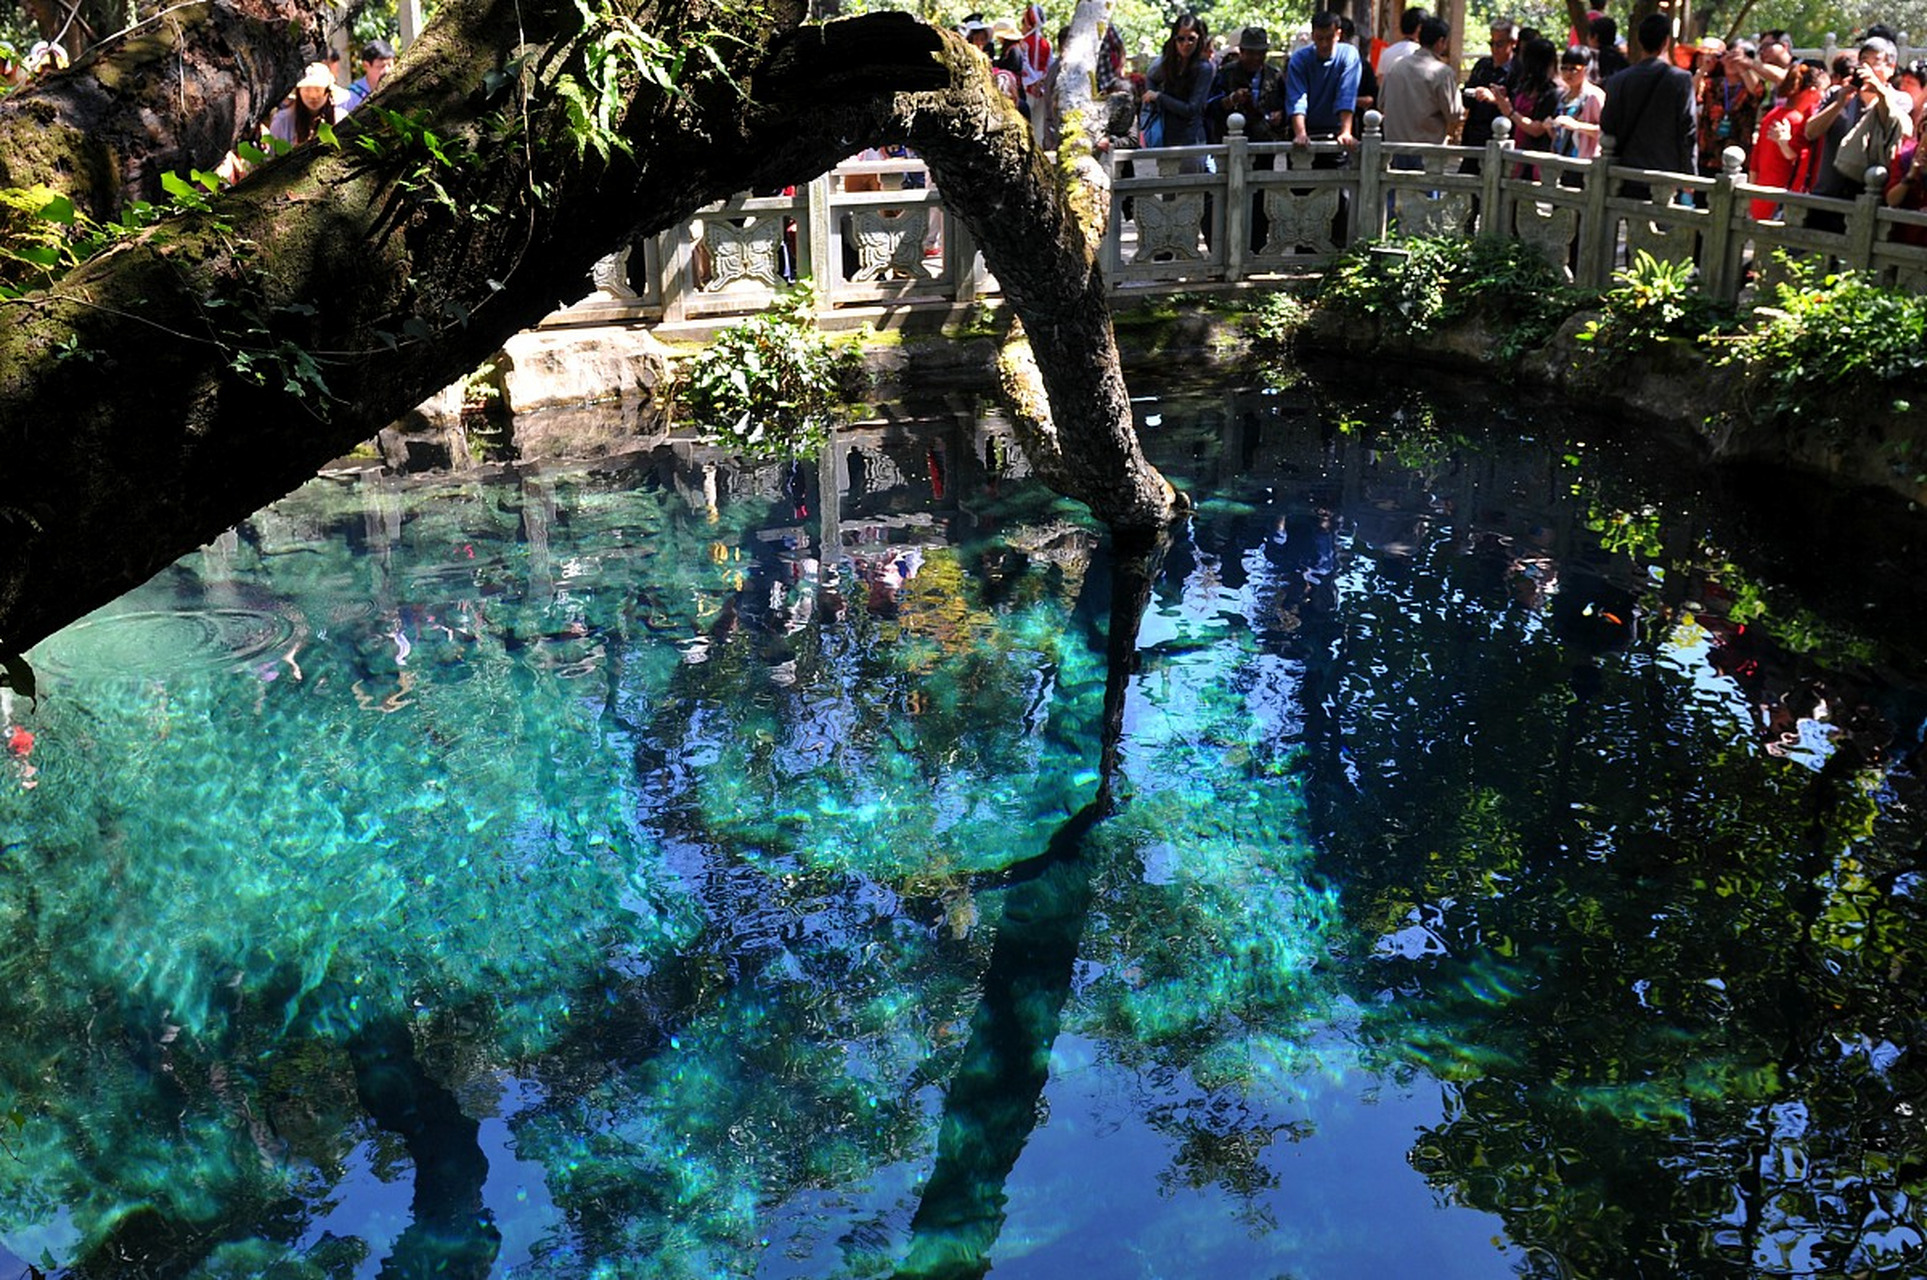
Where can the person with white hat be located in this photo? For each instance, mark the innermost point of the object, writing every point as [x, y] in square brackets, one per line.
[313, 104]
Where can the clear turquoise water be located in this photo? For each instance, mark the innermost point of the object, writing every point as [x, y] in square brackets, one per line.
[582, 873]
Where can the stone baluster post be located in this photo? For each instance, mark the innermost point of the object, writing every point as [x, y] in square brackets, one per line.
[1721, 246]
[1237, 196]
[1495, 222]
[677, 259]
[1596, 238]
[1368, 211]
[1111, 256]
[960, 248]
[1863, 222]
[816, 242]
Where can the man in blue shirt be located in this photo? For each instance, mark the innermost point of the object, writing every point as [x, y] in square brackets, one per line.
[376, 57]
[1321, 86]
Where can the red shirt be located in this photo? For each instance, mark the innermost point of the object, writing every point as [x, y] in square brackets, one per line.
[1768, 166]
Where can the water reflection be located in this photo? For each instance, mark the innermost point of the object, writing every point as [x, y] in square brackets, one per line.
[676, 871]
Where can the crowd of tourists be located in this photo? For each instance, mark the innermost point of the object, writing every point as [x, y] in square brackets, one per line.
[1807, 125]
[1829, 127]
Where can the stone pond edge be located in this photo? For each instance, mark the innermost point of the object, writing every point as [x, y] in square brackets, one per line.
[579, 394]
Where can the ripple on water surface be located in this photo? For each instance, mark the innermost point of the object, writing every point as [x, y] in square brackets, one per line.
[155, 643]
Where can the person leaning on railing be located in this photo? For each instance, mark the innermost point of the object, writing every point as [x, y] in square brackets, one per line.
[1321, 87]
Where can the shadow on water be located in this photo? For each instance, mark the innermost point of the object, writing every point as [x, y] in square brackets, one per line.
[994, 1099]
[451, 1233]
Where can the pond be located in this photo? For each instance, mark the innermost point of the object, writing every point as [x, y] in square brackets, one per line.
[1478, 845]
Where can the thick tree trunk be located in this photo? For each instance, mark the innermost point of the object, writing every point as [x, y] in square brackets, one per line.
[171, 386]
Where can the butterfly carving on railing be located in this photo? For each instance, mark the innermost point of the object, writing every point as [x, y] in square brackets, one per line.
[1169, 224]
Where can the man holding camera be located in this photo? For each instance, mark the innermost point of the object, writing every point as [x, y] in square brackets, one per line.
[1859, 127]
[1252, 87]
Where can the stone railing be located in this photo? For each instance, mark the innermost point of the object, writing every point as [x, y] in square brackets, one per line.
[1242, 215]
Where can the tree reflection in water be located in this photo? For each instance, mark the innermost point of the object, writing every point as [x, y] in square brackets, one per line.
[598, 834]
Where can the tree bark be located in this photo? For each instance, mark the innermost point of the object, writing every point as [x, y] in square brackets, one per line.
[170, 94]
[174, 384]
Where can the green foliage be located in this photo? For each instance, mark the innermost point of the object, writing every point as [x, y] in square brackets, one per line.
[1833, 346]
[1143, 24]
[34, 232]
[619, 51]
[764, 388]
[1634, 532]
[43, 235]
[1810, 21]
[1655, 302]
[420, 159]
[1412, 285]
[1275, 320]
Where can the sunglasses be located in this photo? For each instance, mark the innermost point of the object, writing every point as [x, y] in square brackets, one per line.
[1187, 38]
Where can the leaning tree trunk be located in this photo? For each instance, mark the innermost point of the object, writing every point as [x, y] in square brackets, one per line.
[166, 389]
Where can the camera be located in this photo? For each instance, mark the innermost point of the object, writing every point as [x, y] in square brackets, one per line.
[1468, 96]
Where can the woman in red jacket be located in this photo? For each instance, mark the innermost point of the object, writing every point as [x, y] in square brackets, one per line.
[1782, 156]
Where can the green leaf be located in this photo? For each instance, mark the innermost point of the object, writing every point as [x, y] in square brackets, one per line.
[325, 132]
[250, 153]
[59, 209]
[177, 186]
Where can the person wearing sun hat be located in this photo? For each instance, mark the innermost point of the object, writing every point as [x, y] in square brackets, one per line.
[1252, 86]
[312, 105]
[1010, 58]
[975, 31]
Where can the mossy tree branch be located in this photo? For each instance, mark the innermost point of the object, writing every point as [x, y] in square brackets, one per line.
[168, 388]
